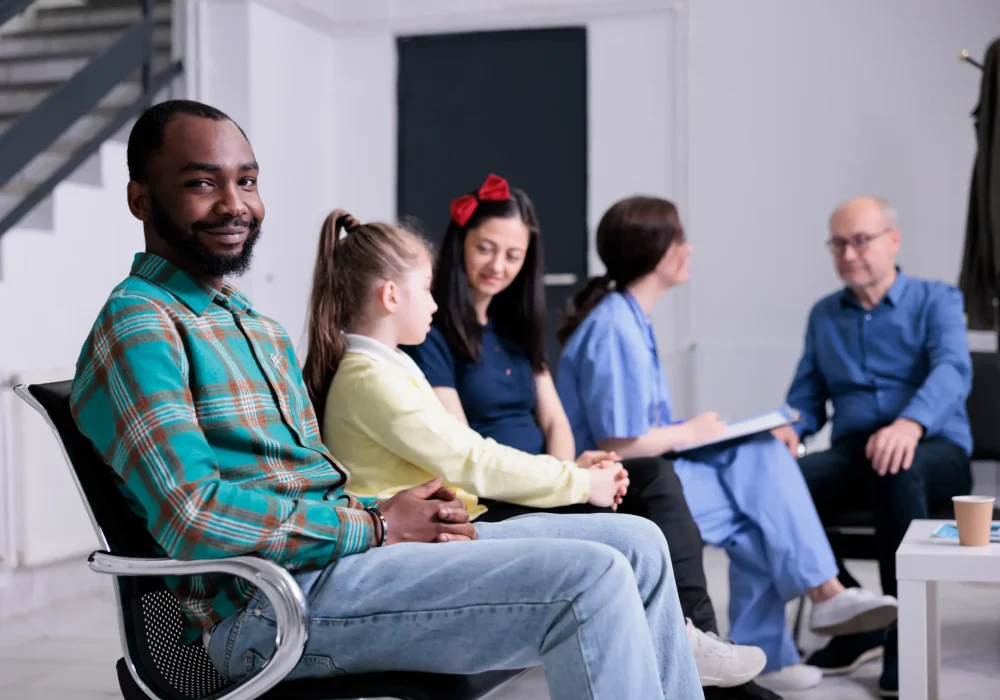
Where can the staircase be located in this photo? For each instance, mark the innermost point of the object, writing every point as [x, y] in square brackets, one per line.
[48, 47]
[73, 237]
[72, 80]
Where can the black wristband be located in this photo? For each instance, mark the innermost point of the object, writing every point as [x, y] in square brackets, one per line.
[374, 512]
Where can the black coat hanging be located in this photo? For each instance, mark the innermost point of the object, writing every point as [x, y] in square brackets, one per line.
[979, 279]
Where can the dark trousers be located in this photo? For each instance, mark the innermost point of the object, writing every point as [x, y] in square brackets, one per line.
[841, 479]
[655, 493]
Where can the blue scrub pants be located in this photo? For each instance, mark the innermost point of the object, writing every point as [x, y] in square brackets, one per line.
[752, 501]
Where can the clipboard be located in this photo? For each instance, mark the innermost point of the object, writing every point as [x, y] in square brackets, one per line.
[750, 426]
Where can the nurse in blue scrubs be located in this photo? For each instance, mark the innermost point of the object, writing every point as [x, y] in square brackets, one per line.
[749, 499]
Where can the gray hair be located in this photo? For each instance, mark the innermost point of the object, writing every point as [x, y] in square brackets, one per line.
[885, 207]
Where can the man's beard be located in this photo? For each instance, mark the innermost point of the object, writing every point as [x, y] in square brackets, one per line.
[187, 244]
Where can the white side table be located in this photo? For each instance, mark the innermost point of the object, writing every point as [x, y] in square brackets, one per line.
[922, 562]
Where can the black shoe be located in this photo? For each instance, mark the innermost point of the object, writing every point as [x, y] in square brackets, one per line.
[888, 683]
[747, 691]
[847, 653]
[752, 691]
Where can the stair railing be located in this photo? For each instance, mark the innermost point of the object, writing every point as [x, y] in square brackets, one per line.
[35, 131]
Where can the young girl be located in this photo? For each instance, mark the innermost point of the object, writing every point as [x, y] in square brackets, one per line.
[379, 416]
[750, 499]
[484, 356]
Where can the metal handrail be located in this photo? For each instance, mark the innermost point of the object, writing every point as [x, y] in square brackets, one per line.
[30, 201]
[37, 130]
[9, 9]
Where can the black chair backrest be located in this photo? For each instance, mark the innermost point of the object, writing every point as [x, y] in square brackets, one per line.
[984, 406]
[151, 617]
[124, 531]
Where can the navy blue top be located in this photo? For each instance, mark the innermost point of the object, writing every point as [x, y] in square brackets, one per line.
[907, 357]
[497, 392]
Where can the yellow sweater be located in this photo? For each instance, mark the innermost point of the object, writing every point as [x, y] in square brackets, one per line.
[386, 425]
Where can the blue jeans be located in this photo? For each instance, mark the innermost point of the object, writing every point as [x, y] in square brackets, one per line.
[751, 500]
[592, 598]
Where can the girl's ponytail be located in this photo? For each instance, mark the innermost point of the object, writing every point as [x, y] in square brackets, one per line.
[326, 340]
[351, 260]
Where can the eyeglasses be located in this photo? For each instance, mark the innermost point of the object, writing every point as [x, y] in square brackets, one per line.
[858, 241]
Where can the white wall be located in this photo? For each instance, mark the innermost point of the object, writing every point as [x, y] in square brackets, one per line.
[53, 285]
[275, 76]
[793, 107]
[322, 116]
[755, 117]
[54, 282]
[293, 128]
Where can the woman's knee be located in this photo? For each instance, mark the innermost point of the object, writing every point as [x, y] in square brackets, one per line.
[647, 470]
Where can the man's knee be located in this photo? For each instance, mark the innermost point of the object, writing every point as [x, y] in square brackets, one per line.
[904, 480]
[812, 462]
[656, 473]
[905, 488]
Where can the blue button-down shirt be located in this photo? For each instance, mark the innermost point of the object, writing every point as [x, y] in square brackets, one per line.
[908, 357]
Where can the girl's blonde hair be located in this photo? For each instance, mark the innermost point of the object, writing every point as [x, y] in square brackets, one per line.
[351, 260]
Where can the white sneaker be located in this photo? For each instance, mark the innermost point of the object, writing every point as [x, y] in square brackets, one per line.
[722, 663]
[851, 611]
[791, 678]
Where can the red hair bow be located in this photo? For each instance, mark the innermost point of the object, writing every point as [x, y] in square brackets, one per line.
[495, 189]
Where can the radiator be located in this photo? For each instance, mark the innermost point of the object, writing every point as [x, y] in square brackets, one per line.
[43, 519]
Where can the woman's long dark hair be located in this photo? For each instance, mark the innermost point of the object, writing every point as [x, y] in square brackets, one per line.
[632, 238]
[517, 312]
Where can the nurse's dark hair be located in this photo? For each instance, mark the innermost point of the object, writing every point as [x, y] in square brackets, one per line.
[351, 260]
[517, 312]
[632, 238]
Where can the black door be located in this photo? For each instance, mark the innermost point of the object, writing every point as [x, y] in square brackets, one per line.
[513, 103]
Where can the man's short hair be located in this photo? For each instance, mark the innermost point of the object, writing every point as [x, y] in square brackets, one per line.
[888, 211]
[146, 136]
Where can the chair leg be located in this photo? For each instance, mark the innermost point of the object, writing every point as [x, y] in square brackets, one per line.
[130, 690]
[797, 627]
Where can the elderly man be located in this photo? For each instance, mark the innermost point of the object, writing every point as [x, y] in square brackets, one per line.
[890, 352]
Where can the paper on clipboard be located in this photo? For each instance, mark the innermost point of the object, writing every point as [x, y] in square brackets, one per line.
[751, 426]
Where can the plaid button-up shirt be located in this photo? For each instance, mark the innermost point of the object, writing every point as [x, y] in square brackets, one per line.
[198, 404]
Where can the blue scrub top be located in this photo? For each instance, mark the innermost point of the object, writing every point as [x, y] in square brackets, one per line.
[610, 380]
[497, 392]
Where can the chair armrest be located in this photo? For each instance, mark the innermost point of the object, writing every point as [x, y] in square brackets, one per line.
[277, 585]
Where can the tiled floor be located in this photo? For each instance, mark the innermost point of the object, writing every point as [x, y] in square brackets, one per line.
[69, 653]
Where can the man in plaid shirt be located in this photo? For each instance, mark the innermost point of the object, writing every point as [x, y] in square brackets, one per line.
[196, 401]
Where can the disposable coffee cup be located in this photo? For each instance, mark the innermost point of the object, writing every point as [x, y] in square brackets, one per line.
[974, 515]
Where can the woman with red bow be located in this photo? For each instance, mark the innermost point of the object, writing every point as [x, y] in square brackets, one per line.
[484, 356]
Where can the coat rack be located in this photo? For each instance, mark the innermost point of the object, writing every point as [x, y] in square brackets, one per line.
[963, 55]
